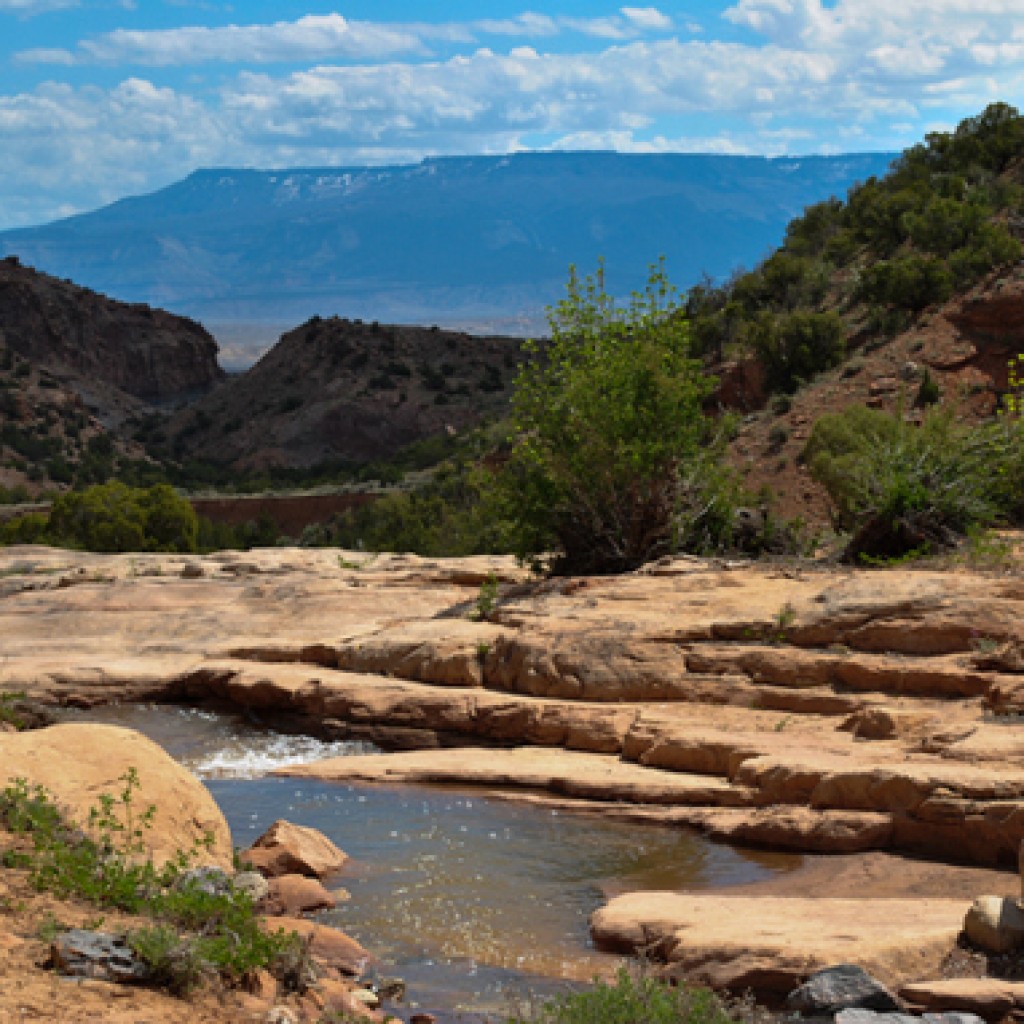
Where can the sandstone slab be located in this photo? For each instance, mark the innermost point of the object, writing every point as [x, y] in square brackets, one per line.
[771, 944]
[572, 773]
[990, 998]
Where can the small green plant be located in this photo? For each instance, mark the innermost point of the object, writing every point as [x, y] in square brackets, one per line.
[1015, 400]
[487, 599]
[9, 713]
[783, 723]
[783, 619]
[482, 650]
[985, 549]
[173, 962]
[928, 393]
[630, 999]
[195, 931]
[50, 927]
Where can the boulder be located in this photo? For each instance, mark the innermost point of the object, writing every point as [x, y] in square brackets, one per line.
[294, 895]
[287, 849]
[995, 924]
[839, 988]
[85, 954]
[328, 946]
[78, 763]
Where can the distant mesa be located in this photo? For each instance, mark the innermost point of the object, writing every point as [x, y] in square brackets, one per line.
[479, 243]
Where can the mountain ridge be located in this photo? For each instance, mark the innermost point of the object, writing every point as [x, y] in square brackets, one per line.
[451, 240]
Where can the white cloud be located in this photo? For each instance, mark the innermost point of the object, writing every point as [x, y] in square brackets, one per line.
[330, 36]
[31, 7]
[650, 19]
[310, 38]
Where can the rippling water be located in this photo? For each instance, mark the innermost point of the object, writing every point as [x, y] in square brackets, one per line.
[459, 894]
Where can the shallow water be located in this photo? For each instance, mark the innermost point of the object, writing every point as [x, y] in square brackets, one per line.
[463, 896]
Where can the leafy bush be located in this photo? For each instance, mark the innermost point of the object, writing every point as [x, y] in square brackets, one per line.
[629, 1000]
[610, 438]
[909, 282]
[902, 488]
[797, 346]
[111, 517]
[453, 514]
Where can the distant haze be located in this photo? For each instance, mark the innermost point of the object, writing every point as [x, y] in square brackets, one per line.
[475, 243]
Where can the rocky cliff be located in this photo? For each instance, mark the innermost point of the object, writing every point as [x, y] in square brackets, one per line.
[147, 353]
[344, 390]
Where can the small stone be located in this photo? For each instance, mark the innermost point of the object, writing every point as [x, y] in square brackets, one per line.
[845, 986]
[859, 1016]
[367, 997]
[280, 1015]
[262, 984]
[995, 924]
[192, 571]
[391, 988]
[423, 1018]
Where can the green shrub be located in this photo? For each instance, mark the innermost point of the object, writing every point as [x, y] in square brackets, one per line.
[629, 1000]
[115, 517]
[609, 431]
[797, 346]
[907, 282]
[902, 488]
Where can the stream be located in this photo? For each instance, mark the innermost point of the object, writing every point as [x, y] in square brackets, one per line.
[469, 899]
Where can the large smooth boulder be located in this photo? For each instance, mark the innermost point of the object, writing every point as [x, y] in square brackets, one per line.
[287, 849]
[78, 763]
[995, 924]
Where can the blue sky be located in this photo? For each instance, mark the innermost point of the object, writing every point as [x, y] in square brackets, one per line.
[105, 98]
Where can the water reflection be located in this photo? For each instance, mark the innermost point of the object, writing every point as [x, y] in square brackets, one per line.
[459, 894]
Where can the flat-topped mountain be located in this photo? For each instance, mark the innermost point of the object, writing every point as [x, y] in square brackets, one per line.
[482, 241]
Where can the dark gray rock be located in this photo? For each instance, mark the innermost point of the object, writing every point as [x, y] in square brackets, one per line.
[858, 1016]
[845, 986]
[85, 954]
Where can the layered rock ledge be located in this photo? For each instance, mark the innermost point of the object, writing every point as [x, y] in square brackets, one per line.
[801, 709]
[812, 710]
